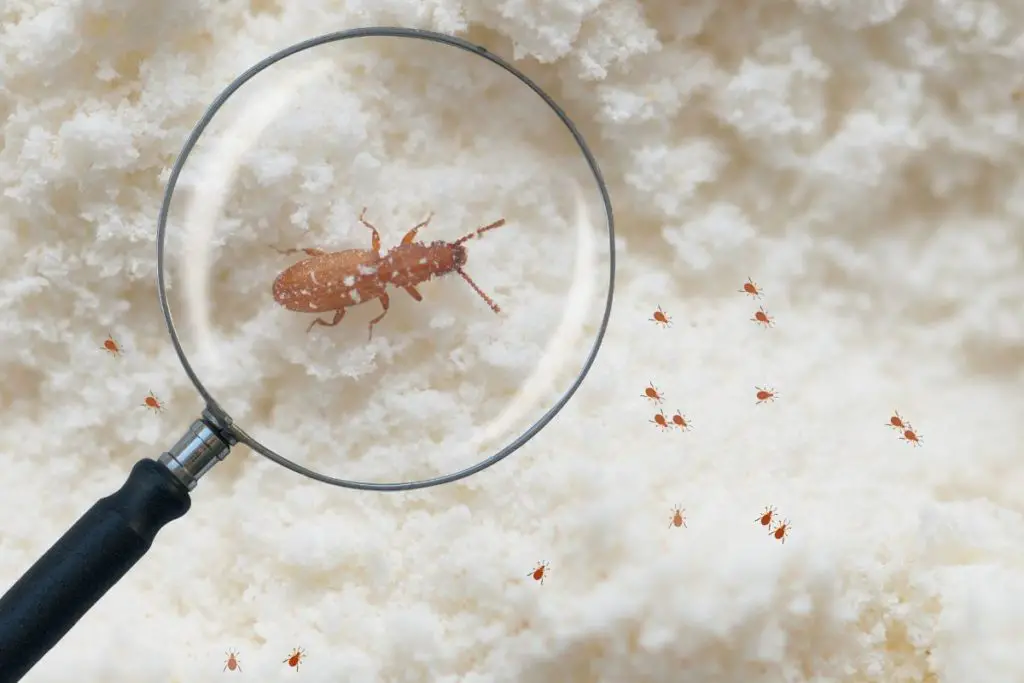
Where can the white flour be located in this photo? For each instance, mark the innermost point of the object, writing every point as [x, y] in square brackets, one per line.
[859, 160]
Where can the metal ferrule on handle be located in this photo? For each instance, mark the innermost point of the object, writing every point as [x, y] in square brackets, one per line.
[196, 452]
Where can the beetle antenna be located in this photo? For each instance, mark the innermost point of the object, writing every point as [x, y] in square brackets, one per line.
[490, 302]
[476, 233]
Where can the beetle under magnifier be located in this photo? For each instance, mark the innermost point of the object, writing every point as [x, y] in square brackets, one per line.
[386, 261]
[336, 281]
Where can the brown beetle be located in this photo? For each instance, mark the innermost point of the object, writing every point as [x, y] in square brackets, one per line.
[336, 281]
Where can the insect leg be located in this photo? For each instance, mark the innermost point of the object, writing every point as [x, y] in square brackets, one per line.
[376, 235]
[338, 315]
[385, 301]
[411, 235]
[414, 293]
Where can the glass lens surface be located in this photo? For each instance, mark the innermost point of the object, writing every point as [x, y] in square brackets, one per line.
[275, 276]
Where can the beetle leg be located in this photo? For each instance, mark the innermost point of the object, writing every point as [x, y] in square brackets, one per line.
[311, 252]
[376, 235]
[413, 293]
[411, 235]
[338, 315]
[384, 301]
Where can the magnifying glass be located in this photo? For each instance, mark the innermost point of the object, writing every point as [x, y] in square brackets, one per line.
[384, 264]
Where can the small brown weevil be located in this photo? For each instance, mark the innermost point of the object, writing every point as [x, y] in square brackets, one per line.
[336, 281]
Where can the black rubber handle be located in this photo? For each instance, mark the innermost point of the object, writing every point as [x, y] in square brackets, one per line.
[83, 565]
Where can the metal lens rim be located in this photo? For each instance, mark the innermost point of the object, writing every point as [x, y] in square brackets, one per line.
[214, 410]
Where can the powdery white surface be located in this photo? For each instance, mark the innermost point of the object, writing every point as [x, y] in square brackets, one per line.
[859, 159]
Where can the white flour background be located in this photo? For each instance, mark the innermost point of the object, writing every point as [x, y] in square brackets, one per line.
[859, 159]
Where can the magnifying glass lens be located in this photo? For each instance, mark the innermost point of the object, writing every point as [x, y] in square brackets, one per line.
[387, 259]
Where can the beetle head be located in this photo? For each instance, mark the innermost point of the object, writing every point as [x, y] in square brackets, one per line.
[459, 255]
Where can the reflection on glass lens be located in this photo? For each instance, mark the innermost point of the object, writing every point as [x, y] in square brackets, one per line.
[387, 259]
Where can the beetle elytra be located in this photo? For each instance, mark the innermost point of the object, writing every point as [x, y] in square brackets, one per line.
[336, 281]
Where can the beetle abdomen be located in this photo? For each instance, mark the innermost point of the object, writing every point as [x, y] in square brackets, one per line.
[329, 282]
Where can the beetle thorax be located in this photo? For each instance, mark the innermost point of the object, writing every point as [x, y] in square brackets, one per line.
[442, 257]
[411, 264]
